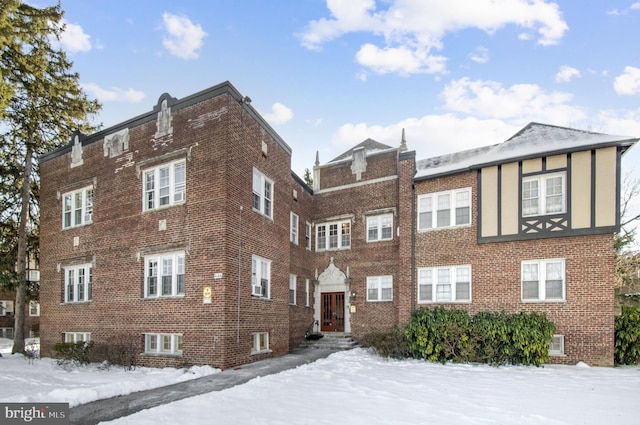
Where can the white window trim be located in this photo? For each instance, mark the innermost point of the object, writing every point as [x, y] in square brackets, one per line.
[295, 225]
[382, 282]
[308, 236]
[6, 308]
[77, 337]
[261, 196]
[174, 190]
[86, 209]
[306, 293]
[158, 260]
[255, 343]
[326, 238]
[452, 281]
[542, 193]
[560, 342]
[292, 289]
[376, 222]
[542, 272]
[258, 289]
[157, 338]
[33, 304]
[452, 209]
[71, 298]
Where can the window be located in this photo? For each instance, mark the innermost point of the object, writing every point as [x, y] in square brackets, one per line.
[556, 346]
[260, 276]
[262, 194]
[335, 235]
[292, 289]
[34, 308]
[543, 280]
[444, 209]
[77, 207]
[6, 333]
[543, 194]
[307, 237]
[306, 292]
[380, 228]
[78, 283]
[444, 284]
[170, 344]
[6, 308]
[379, 288]
[164, 185]
[164, 275]
[77, 336]
[294, 228]
[259, 342]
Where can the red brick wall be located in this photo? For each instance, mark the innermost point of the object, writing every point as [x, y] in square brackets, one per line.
[586, 318]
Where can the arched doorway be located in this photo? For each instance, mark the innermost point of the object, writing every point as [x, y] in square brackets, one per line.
[332, 299]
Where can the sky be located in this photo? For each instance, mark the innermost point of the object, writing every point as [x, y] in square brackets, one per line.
[327, 75]
[353, 387]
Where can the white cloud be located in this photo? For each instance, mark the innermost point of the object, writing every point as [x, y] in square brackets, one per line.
[73, 39]
[629, 82]
[413, 29]
[489, 99]
[184, 39]
[566, 74]
[635, 6]
[626, 123]
[279, 114]
[429, 135]
[114, 94]
[480, 55]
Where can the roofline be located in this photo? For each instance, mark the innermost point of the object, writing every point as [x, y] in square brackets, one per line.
[624, 145]
[381, 152]
[302, 183]
[176, 104]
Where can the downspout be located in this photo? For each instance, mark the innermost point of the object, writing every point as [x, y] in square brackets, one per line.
[413, 246]
[244, 101]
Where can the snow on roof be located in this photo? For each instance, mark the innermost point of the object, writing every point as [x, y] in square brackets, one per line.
[370, 147]
[533, 140]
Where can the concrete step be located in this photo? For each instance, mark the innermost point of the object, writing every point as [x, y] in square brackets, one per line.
[334, 341]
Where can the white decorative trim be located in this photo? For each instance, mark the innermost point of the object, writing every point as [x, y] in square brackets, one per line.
[352, 185]
[76, 152]
[116, 143]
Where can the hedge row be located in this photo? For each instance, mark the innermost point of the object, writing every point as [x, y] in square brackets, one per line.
[627, 345]
[442, 335]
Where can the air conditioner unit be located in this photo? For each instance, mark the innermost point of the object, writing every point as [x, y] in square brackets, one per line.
[256, 290]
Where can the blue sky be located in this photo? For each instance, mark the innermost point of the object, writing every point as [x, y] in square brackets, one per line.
[329, 74]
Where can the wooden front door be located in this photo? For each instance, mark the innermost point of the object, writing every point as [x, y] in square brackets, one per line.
[332, 313]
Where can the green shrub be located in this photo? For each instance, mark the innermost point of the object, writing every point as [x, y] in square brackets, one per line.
[392, 343]
[627, 340]
[442, 335]
[73, 353]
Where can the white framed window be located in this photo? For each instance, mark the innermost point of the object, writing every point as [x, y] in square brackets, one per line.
[334, 235]
[543, 194]
[259, 342]
[34, 308]
[169, 344]
[164, 275]
[164, 185]
[379, 288]
[444, 209]
[556, 346]
[292, 289]
[444, 284]
[307, 236]
[380, 228]
[306, 293]
[6, 333]
[262, 200]
[293, 234]
[260, 276]
[6, 308]
[77, 336]
[77, 207]
[543, 280]
[78, 283]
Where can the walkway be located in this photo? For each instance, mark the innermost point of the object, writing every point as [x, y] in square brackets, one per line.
[117, 407]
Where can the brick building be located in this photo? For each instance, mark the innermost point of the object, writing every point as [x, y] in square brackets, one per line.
[185, 232]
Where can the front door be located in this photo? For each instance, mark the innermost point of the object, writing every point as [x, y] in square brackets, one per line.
[332, 313]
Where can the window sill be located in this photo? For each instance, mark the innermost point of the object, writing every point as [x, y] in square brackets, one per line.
[174, 355]
[435, 229]
[255, 353]
[333, 249]
[75, 302]
[544, 301]
[379, 301]
[257, 297]
[445, 302]
[262, 214]
[379, 240]
[165, 297]
[77, 226]
[557, 355]
[164, 207]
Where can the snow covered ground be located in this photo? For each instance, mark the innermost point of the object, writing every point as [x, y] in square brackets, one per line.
[356, 387]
